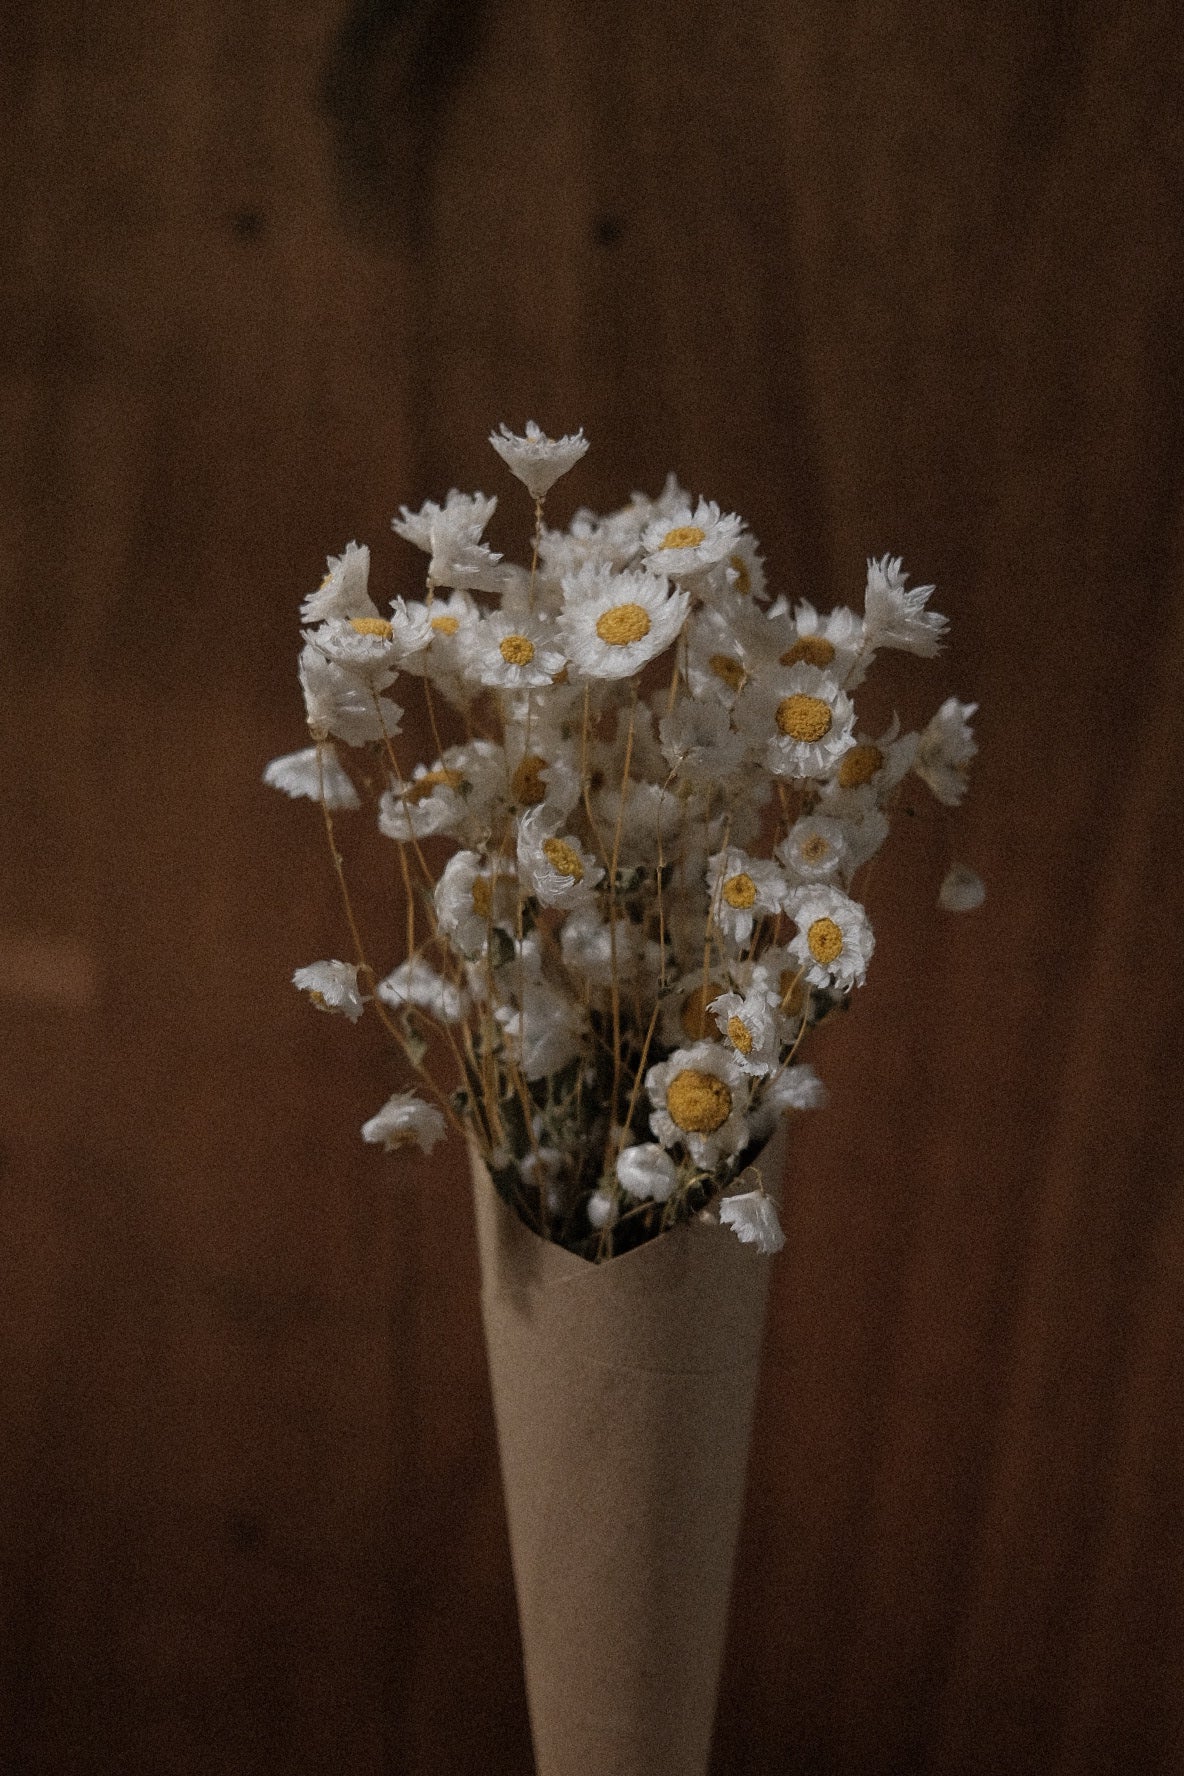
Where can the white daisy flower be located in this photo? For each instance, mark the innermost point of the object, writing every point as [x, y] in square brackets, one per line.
[752, 1217]
[343, 591]
[538, 461]
[881, 763]
[513, 652]
[317, 773]
[834, 940]
[894, 616]
[451, 536]
[686, 542]
[832, 643]
[416, 982]
[556, 870]
[793, 1088]
[647, 1172]
[612, 624]
[332, 986]
[962, 890]
[802, 715]
[362, 646]
[336, 702]
[700, 1100]
[405, 1121]
[457, 796]
[743, 889]
[945, 749]
[471, 896]
[684, 1016]
[751, 1027]
[865, 824]
[816, 849]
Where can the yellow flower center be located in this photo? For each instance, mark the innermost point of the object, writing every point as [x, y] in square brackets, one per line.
[372, 626]
[804, 718]
[528, 786]
[815, 650]
[698, 1102]
[740, 891]
[517, 650]
[446, 625]
[815, 849]
[860, 765]
[825, 941]
[683, 536]
[623, 623]
[318, 999]
[432, 780]
[693, 1016]
[563, 858]
[482, 896]
[739, 1035]
[728, 669]
[739, 567]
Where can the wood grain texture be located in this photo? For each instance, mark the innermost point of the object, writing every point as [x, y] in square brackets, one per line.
[890, 276]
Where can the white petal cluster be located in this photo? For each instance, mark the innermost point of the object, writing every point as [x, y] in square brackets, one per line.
[624, 880]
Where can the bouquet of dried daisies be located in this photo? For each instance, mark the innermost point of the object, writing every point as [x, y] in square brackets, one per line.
[630, 879]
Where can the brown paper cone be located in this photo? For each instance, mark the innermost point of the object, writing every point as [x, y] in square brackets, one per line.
[623, 1394]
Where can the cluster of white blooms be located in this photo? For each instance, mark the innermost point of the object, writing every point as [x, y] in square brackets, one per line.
[630, 866]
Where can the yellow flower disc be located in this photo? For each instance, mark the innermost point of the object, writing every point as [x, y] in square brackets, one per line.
[563, 858]
[446, 625]
[482, 897]
[423, 786]
[528, 786]
[623, 623]
[825, 941]
[739, 567]
[804, 718]
[693, 1017]
[698, 1102]
[740, 891]
[372, 626]
[683, 536]
[815, 650]
[816, 849]
[729, 670]
[859, 765]
[739, 1035]
[517, 650]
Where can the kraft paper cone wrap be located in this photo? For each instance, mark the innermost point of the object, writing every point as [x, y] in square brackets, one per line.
[623, 1394]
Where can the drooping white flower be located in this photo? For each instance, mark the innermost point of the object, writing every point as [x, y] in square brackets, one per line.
[895, 616]
[792, 1088]
[338, 703]
[473, 895]
[343, 591]
[743, 889]
[962, 890]
[751, 1027]
[753, 1218]
[554, 868]
[803, 717]
[611, 623]
[416, 982]
[834, 940]
[700, 1099]
[601, 1209]
[515, 653]
[647, 1172]
[538, 461]
[317, 773]
[946, 748]
[686, 542]
[405, 1121]
[451, 536]
[332, 986]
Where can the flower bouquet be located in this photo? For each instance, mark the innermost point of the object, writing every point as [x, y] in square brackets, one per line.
[628, 879]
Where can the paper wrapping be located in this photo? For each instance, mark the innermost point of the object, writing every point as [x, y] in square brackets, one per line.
[623, 1394]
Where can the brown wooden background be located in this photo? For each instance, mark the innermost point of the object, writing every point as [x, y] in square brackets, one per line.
[895, 276]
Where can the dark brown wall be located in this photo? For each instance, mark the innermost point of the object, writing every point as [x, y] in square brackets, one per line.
[884, 276]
